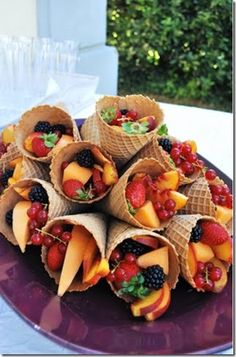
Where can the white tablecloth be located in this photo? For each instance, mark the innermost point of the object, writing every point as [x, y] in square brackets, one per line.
[213, 132]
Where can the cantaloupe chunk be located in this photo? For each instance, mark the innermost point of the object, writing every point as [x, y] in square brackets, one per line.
[73, 257]
[11, 181]
[76, 172]
[63, 141]
[168, 181]
[8, 134]
[20, 221]
[223, 214]
[13, 162]
[179, 198]
[23, 192]
[89, 256]
[157, 256]
[147, 216]
[99, 269]
[17, 171]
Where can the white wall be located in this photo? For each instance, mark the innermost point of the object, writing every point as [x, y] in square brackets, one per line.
[18, 17]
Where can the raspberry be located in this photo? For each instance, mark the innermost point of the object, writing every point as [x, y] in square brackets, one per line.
[165, 144]
[85, 158]
[196, 234]
[154, 277]
[38, 194]
[43, 126]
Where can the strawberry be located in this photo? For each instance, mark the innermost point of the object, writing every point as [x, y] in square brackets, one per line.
[135, 193]
[118, 114]
[132, 114]
[213, 233]
[70, 188]
[55, 258]
[124, 272]
[39, 148]
[98, 184]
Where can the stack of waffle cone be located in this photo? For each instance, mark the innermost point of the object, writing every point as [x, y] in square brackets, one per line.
[68, 154]
[57, 205]
[89, 130]
[153, 149]
[115, 203]
[54, 115]
[95, 223]
[120, 145]
[119, 231]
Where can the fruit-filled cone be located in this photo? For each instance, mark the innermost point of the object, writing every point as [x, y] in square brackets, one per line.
[7, 138]
[44, 130]
[204, 247]
[73, 251]
[89, 130]
[145, 196]
[126, 124]
[83, 172]
[174, 155]
[144, 268]
[26, 207]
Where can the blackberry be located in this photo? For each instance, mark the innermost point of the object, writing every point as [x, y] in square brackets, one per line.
[196, 233]
[5, 176]
[38, 194]
[124, 111]
[8, 217]
[59, 127]
[43, 126]
[85, 158]
[131, 246]
[165, 144]
[154, 277]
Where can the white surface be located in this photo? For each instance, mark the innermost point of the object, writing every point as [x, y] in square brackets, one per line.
[213, 132]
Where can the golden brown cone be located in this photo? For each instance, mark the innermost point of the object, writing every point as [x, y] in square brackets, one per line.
[179, 232]
[89, 130]
[152, 149]
[57, 205]
[29, 119]
[120, 145]
[67, 153]
[95, 223]
[115, 203]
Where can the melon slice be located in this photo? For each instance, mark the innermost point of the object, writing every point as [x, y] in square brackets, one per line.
[76, 172]
[157, 256]
[147, 216]
[20, 221]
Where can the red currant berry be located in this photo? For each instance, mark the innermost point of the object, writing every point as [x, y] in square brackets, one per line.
[187, 168]
[120, 274]
[192, 158]
[48, 241]
[177, 145]
[171, 213]
[175, 153]
[42, 217]
[209, 266]
[178, 161]
[215, 199]
[37, 205]
[33, 225]
[57, 230]
[130, 258]
[229, 201]
[169, 204]
[222, 200]
[216, 189]
[210, 174]
[118, 114]
[64, 165]
[111, 277]
[199, 281]
[200, 267]
[186, 149]
[66, 236]
[158, 206]
[116, 255]
[62, 248]
[215, 274]
[163, 214]
[37, 239]
[69, 131]
[209, 285]
[225, 190]
[32, 212]
[200, 163]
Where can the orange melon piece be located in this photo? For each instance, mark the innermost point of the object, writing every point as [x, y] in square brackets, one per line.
[23, 192]
[13, 162]
[17, 171]
[168, 181]
[179, 198]
[157, 256]
[89, 256]
[76, 172]
[20, 221]
[223, 214]
[147, 216]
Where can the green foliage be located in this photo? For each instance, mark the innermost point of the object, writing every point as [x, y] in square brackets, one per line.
[175, 48]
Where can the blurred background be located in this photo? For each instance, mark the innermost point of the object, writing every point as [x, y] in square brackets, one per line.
[177, 51]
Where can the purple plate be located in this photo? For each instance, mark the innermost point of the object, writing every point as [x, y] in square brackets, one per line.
[97, 322]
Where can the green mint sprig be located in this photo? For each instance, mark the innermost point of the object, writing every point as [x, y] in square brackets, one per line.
[108, 114]
[163, 130]
[131, 209]
[134, 287]
[50, 139]
[132, 128]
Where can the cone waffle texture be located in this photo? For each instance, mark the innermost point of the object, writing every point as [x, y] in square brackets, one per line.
[115, 203]
[67, 153]
[120, 145]
[12, 153]
[89, 130]
[179, 233]
[153, 149]
[57, 205]
[52, 114]
[119, 231]
[95, 223]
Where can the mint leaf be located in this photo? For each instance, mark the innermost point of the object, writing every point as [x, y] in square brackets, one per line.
[132, 128]
[163, 130]
[50, 139]
[85, 195]
[134, 287]
[108, 114]
[131, 209]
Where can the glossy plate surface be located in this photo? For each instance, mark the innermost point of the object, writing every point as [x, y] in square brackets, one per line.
[97, 321]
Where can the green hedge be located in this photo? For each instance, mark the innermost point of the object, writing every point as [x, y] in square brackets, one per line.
[179, 49]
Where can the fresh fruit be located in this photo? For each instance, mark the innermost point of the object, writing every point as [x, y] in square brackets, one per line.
[193, 145]
[147, 216]
[132, 114]
[54, 257]
[143, 306]
[179, 199]
[196, 233]
[43, 126]
[38, 194]
[71, 188]
[23, 192]
[192, 263]
[224, 251]
[99, 272]
[20, 221]
[66, 236]
[213, 233]
[163, 306]
[39, 148]
[154, 277]
[63, 141]
[11, 181]
[75, 172]
[37, 238]
[14, 162]
[151, 120]
[210, 174]
[135, 193]
[203, 252]
[17, 171]
[132, 246]
[89, 256]
[223, 214]
[151, 242]
[8, 134]
[110, 175]
[99, 157]
[126, 270]
[168, 181]
[85, 158]
[98, 183]
[57, 230]
[116, 255]
[165, 144]
[220, 283]
[155, 257]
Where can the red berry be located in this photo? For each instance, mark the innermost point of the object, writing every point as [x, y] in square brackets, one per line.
[129, 257]
[39, 148]
[37, 239]
[54, 257]
[132, 114]
[209, 285]
[225, 190]
[120, 274]
[130, 269]
[191, 158]
[33, 225]
[175, 153]
[111, 277]
[200, 163]
[163, 214]
[213, 233]
[177, 145]
[199, 281]
[215, 274]
[37, 205]
[62, 248]
[186, 149]
[209, 266]
[178, 161]
[118, 114]
[158, 206]
[57, 230]
[222, 200]
[229, 201]
[210, 174]
[69, 131]
[200, 267]
[48, 241]
[215, 199]
[42, 217]
[66, 236]
[187, 168]
[32, 212]
[98, 183]
[70, 188]
[64, 165]
[216, 189]
[135, 193]
[116, 255]
[169, 204]
[171, 213]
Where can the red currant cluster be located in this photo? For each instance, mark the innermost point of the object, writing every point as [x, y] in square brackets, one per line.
[123, 116]
[206, 276]
[166, 210]
[185, 159]
[38, 217]
[221, 194]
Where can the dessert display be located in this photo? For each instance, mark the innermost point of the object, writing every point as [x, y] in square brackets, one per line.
[146, 195]
[143, 269]
[129, 122]
[73, 251]
[205, 250]
[83, 172]
[44, 130]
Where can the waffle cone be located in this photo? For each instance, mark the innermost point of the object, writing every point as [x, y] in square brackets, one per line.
[29, 119]
[67, 153]
[57, 205]
[115, 203]
[12, 153]
[179, 232]
[120, 145]
[89, 130]
[152, 149]
[95, 224]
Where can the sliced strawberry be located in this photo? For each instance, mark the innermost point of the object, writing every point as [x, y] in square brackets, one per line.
[55, 258]
[136, 193]
[70, 188]
[39, 148]
[213, 233]
[98, 184]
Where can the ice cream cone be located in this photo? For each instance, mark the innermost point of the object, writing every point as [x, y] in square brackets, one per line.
[120, 145]
[95, 223]
[89, 130]
[29, 119]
